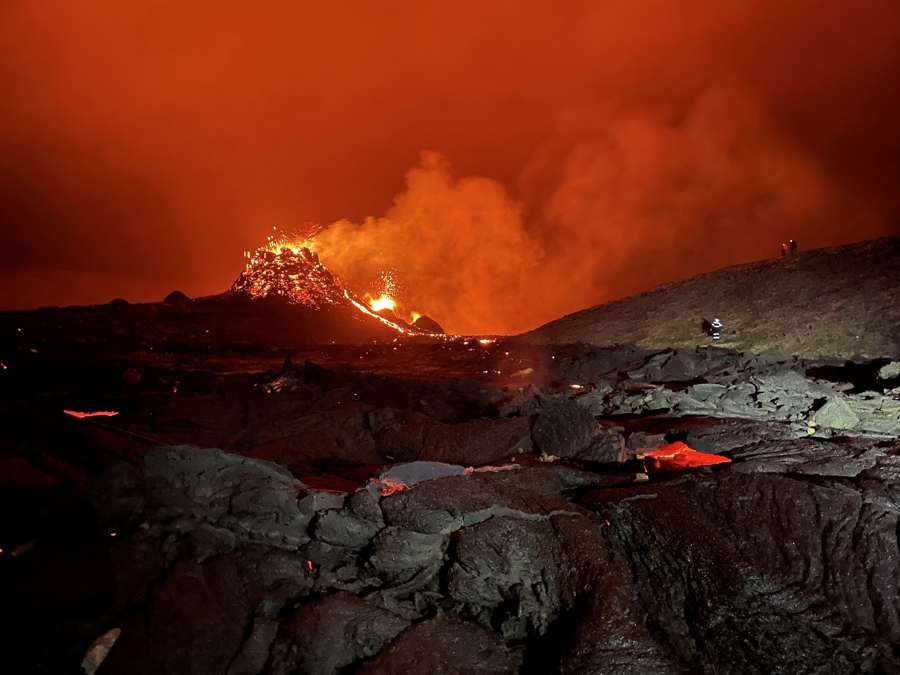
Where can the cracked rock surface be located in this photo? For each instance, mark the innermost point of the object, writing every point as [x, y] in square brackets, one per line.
[353, 523]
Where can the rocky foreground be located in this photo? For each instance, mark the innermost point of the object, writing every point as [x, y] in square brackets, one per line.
[309, 521]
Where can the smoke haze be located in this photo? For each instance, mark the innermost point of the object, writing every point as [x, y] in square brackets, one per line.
[554, 156]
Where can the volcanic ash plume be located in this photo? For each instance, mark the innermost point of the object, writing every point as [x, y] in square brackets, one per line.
[616, 202]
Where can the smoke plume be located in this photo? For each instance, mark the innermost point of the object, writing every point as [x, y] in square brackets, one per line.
[629, 200]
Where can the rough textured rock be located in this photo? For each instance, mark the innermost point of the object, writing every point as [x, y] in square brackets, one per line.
[254, 653]
[564, 429]
[476, 443]
[443, 506]
[331, 633]
[812, 601]
[811, 457]
[428, 325]
[608, 447]
[194, 624]
[344, 528]
[837, 414]
[253, 499]
[444, 645]
[324, 559]
[513, 563]
[889, 370]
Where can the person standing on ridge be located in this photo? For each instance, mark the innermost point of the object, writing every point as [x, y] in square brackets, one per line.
[793, 247]
[716, 329]
[783, 250]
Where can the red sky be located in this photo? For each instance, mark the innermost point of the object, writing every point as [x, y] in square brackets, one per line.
[514, 161]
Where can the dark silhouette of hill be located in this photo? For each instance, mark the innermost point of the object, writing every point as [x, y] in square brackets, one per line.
[839, 301]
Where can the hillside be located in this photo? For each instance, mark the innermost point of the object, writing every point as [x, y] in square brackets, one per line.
[839, 301]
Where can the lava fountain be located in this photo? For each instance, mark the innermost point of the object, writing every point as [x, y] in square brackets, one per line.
[290, 269]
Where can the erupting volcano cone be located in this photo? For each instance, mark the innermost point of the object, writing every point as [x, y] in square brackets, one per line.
[295, 275]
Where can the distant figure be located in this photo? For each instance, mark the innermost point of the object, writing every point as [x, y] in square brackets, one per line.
[706, 326]
[793, 247]
[716, 329]
[783, 250]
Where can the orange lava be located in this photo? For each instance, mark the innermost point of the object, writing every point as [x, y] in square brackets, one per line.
[384, 302]
[96, 413]
[389, 487]
[677, 457]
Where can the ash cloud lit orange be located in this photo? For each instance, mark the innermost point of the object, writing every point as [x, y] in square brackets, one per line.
[596, 150]
[638, 201]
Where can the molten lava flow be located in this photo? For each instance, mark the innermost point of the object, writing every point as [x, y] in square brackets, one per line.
[384, 302]
[97, 413]
[677, 457]
[389, 487]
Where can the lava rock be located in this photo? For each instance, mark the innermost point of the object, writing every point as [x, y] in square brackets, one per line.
[837, 414]
[444, 645]
[608, 447]
[330, 634]
[254, 652]
[194, 623]
[179, 302]
[750, 561]
[400, 556]
[443, 506]
[476, 443]
[507, 568]
[564, 429]
[811, 457]
[344, 528]
[889, 371]
[255, 500]
[428, 325]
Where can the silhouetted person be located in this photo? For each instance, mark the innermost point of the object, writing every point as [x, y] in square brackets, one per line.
[706, 326]
[716, 329]
[793, 247]
[783, 250]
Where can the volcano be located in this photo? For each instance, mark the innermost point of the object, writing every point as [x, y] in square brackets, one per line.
[296, 275]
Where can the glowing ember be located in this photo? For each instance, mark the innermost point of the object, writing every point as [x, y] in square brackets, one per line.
[289, 268]
[384, 302]
[677, 457]
[293, 274]
[96, 413]
[389, 487]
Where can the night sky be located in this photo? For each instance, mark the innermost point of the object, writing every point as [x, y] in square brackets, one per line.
[512, 161]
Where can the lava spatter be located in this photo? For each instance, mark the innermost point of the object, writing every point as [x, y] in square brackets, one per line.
[294, 273]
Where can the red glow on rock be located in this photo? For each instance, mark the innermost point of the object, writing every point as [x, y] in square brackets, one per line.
[389, 487]
[96, 413]
[677, 457]
[309, 565]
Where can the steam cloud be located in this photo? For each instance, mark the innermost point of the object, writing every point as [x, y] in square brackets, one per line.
[634, 200]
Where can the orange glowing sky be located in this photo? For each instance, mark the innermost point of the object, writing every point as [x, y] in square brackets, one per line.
[512, 160]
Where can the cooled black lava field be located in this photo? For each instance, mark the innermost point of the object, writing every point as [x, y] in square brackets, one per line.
[434, 505]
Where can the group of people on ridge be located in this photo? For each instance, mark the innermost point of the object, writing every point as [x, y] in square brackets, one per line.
[715, 328]
[792, 246]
